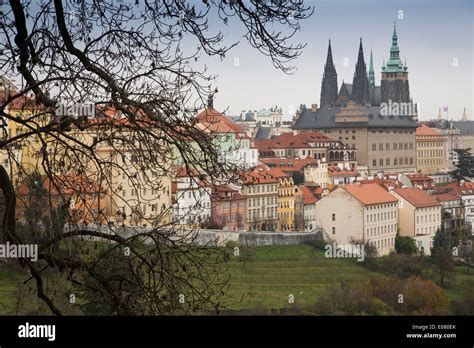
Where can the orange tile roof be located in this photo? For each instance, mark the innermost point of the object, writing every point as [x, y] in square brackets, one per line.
[419, 177]
[417, 197]
[456, 189]
[278, 173]
[23, 102]
[383, 182]
[68, 185]
[259, 177]
[308, 197]
[370, 194]
[425, 130]
[443, 197]
[334, 170]
[183, 171]
[210, 116]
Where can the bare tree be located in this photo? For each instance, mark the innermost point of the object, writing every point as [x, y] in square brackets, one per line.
[130, 61]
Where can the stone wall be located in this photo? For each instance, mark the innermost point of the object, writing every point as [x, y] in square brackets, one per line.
[221, 238]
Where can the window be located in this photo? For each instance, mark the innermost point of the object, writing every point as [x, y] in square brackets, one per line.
[334, 230]
[381, 162]
[395, 146]
[395, 161]
[380, 147]
[374, 147]
[387, 146]
[374, 163]
[387, 161]
[333, 217]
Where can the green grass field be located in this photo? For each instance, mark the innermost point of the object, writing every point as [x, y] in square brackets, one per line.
[275, 272]
[9, 282]
[267, 278]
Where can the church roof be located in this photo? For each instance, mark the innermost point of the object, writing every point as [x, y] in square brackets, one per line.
[465, 127]
[345, 90]
[263, 133]
[324, 118]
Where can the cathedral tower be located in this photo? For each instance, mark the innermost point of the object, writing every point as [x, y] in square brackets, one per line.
[360, 84]
[395, 75]
[329, 84]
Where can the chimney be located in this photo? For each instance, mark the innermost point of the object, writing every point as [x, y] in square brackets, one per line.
[210, 101]
[314, 107]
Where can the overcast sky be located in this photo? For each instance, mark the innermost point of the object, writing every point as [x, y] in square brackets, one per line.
[435, 38]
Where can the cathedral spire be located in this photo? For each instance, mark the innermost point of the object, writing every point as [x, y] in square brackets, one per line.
[360, 85]
[464, 115]
[329, 83]
[371, 71]
[329, 61]
[360, 57]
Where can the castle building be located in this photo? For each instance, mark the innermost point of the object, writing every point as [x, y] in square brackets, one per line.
[358, 117]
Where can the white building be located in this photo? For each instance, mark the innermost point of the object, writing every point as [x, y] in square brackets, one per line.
[191, 198]
[420, 215]
[245, 153]
[309, 201]
[364, 212]
[317, 173]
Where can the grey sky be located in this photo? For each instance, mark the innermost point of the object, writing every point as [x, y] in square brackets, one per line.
[433, 37]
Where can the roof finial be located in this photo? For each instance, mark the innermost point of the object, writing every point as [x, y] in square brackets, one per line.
[464, 115]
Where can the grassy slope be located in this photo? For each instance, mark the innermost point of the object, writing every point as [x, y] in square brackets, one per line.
[270, 275]
[9, 282]
[275, 272]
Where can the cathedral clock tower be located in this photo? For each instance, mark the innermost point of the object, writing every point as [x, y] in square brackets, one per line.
[394, 84]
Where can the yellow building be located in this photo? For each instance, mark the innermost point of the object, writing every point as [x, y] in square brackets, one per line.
[137, 179]
[431, 150]
[21, 157]
[290, 202]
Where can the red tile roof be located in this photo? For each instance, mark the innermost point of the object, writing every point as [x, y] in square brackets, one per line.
[384, 182]
[259, 177]
[425, 130]
[419, 177]
[288, 165]
[278, 173]
[444, 197]
[290, 140]
[334, 170]
[456, 189]
[416, 197]
[67, 185]
[308, 197]
[217, 122]
[370, 194]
